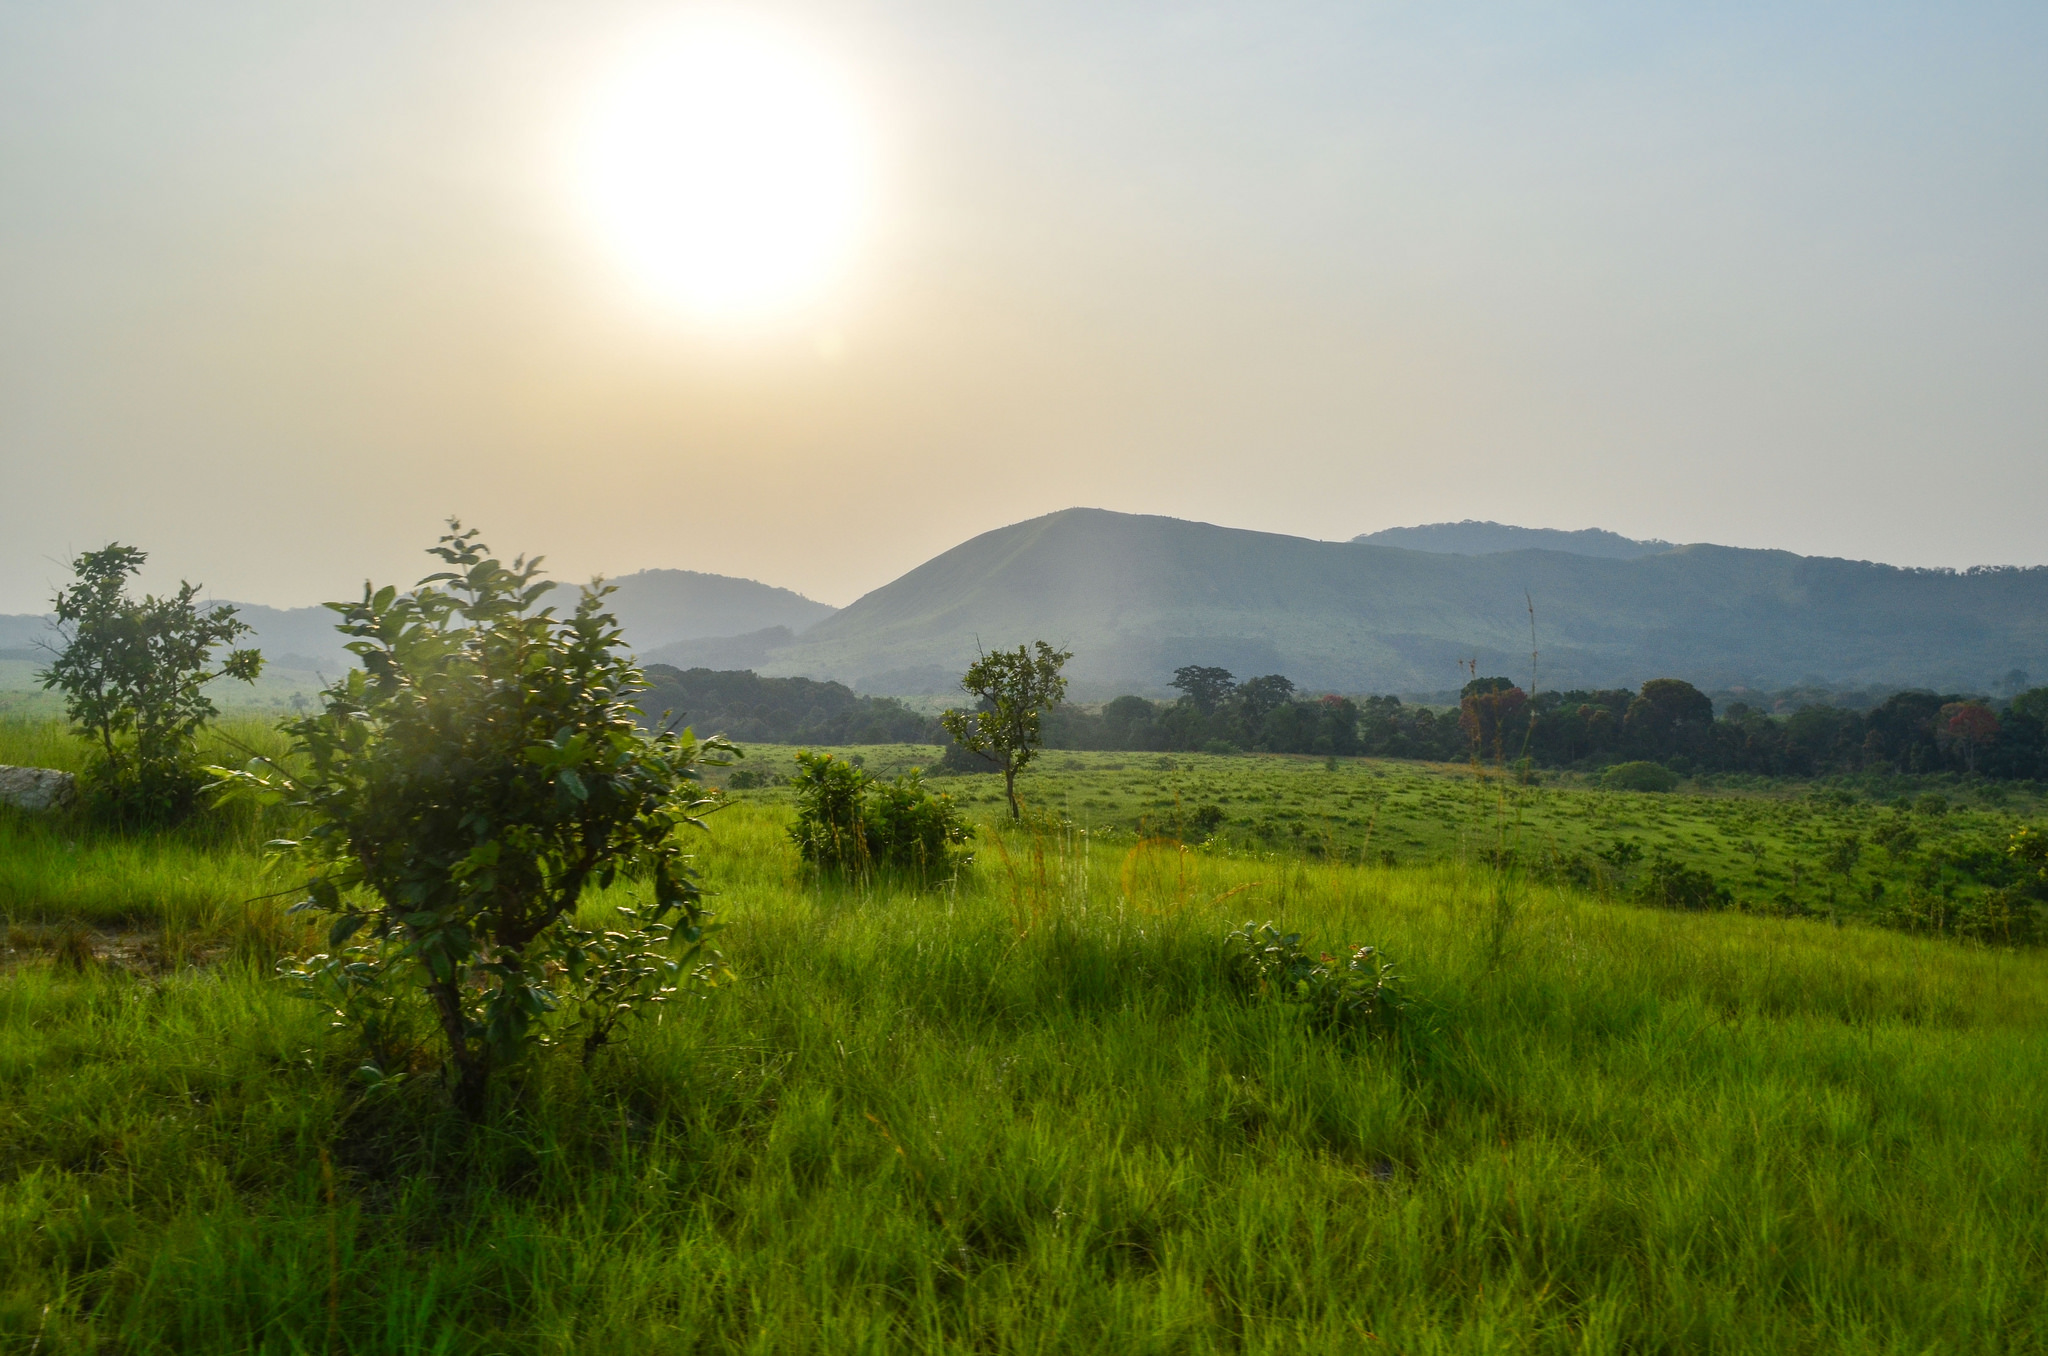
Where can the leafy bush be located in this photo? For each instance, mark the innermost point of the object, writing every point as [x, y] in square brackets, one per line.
[1639, 776]
[1204, 822]
[1996, 918]
[1673, 885]
[1360, 992]
[134, 676]
[850, 822]
[465, 786]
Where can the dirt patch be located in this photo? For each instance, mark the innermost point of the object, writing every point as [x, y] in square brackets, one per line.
[73, 946]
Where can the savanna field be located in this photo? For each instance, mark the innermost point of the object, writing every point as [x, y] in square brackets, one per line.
[1027, 1108]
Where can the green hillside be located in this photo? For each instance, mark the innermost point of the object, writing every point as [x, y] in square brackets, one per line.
[1136, 596]
[659, 609]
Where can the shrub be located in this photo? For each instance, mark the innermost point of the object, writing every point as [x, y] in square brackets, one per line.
[1672, 885]
[465, 786]
[1360, 992]
[1204, 822]
[853, 823]
[2002, 917]
[134, 675]
[1639, 776]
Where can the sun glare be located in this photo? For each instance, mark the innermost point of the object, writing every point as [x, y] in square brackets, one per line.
[728, 168]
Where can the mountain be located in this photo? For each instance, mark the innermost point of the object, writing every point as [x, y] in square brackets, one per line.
[1474, 538]
[660, 607]
[21, 636]
[1137, 596]
[722, 652]
[656, 608]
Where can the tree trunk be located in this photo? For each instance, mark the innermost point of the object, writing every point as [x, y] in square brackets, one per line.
[472, 1066]
[1010, 789]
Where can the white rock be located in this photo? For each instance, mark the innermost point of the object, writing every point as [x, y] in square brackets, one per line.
[36, 788]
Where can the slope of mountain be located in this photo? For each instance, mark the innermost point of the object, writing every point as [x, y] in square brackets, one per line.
[22, 634]
[1474, 538]
[1137, 596]
[721, 652]
[656, 608]
[660, 607]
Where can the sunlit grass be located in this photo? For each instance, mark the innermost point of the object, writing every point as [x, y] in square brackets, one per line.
[1024, 1111]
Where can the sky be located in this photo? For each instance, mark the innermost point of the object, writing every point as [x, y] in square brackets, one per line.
[284, 285]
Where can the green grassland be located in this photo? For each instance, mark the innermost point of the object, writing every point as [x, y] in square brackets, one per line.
[22, 697]
[1025, 1110]
[1777, 848]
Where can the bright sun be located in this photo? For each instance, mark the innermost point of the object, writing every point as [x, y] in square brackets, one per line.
[728, 168]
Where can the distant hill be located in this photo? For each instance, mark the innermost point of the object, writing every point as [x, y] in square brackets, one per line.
[656, 608]
[1474, 538]
[1137, 596]
[660, 607]
[21, 635]
[722, 652]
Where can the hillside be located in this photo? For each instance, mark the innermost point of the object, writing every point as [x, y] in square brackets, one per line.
[1474, 538]
[657, 608]
[661, 607]
[1137, 596]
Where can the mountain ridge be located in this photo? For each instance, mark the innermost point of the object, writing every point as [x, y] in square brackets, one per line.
[657, 609]
[1138, 595]
[1475, 537]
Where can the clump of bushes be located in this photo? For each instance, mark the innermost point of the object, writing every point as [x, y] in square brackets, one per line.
[1359, 992]
[1673, 885]
[1639, 776]
[851, 823]
[1997, 918]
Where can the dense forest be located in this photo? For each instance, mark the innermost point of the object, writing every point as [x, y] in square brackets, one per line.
[748, 708]
[1666, 721]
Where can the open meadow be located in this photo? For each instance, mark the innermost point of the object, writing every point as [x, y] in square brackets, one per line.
[1026, 1109]
[1866, 848]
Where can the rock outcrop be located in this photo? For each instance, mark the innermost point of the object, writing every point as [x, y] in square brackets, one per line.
[36, 788]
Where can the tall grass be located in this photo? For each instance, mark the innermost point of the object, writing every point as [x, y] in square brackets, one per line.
[193, 881]
[1025, 1111]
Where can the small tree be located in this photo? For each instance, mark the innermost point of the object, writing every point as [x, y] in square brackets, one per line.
[1206, 686]
[1969, 726]
[1016, 689]
[480, 771]
[134, 676]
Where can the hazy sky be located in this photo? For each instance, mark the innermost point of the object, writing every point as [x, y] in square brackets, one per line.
[282, 285]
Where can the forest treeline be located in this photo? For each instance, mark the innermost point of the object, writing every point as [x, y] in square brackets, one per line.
[1666, 721]
[744, 706]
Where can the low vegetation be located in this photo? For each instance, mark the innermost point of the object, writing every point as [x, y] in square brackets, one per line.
[854, 825]
[1937, 854]
[1038, 1109]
